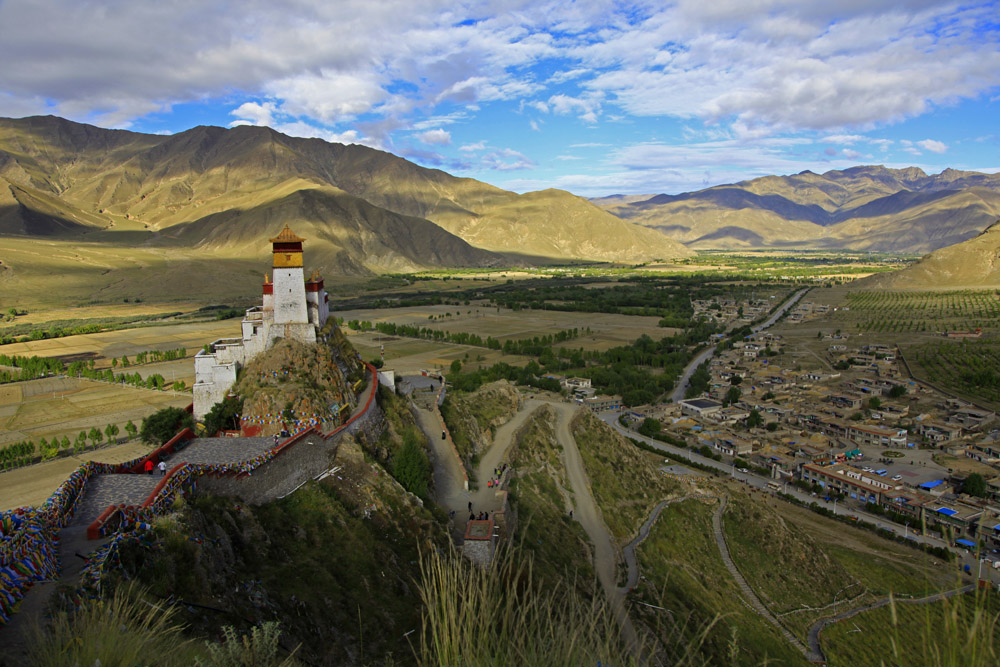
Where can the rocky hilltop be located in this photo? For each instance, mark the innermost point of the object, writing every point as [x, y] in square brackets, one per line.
[862, 208]
[293, 384]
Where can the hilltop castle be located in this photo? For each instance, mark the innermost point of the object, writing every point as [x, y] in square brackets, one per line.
[292, 307]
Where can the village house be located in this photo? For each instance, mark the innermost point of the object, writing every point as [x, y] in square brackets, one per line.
[849, 481]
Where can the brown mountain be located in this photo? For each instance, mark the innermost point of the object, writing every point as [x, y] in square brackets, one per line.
[862, 208]
[226, 190]
[974, 263]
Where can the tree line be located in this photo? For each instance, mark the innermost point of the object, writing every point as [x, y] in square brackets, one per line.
[29, 368]
[22, 453]
[527, 346]
[83, 369]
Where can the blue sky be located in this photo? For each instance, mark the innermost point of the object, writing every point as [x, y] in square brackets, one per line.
[593, 97]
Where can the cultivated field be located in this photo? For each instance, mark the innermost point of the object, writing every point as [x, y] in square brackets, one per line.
[192, 336]
[58, 406]
[32, 485]
[916, 312]
[606, 331]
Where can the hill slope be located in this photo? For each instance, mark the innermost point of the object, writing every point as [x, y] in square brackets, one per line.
[972, 263]
[862, 208]
[211, 188]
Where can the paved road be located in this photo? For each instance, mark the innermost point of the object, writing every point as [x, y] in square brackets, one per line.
[677, 394]
[754, 480]
[781, 311]
[682, 384]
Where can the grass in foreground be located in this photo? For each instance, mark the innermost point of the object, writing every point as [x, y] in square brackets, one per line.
[121, 630]
[958, 632]
[503, 615]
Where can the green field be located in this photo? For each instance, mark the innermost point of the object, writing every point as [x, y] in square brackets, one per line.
[967, 367]
[916, 312]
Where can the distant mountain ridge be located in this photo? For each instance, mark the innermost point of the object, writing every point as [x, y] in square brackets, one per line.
[227, 190]
[861, 208]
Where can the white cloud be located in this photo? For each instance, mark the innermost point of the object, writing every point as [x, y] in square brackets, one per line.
[507, 159]
[587, 108]
[533, 124]
[844, 138]
[568, 75]
[253, 113]
[933, 145]
[435, 137]
[472, 148]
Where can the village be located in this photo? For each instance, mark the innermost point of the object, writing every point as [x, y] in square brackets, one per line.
[859, 431]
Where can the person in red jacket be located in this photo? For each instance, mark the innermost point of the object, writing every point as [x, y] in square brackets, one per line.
[149, 466]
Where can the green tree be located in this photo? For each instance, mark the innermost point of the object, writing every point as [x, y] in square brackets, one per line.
[897, 391]
[410, 466]
[874, 403]
[164, 424]
[650, 427]
[456, 366]
[224, 415]
[288, 414]
[131, 429]
[754, 420]
[733, 395]
[735, 379]
[974, 485]
[66, 444]
[112, 431]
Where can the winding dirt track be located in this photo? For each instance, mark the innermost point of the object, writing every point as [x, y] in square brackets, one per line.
[585, 511]
[589, 516]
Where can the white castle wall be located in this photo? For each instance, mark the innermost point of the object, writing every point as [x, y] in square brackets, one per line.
[290, 296]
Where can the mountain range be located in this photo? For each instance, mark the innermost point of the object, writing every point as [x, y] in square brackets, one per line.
[222, 192]
[861, 208]
[104, 207]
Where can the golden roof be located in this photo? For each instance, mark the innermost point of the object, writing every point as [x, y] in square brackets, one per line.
[287, 236]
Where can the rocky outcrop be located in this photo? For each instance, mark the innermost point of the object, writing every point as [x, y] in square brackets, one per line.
[295, 385]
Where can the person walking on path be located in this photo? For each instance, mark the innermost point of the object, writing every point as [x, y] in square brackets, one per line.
[148, 466]
[163, 468]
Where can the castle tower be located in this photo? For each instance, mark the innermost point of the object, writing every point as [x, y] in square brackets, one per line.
[288, 286]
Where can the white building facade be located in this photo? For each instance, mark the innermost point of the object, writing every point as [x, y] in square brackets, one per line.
[292, 307]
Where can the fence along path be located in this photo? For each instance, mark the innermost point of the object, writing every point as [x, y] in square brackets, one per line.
[40, 544]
